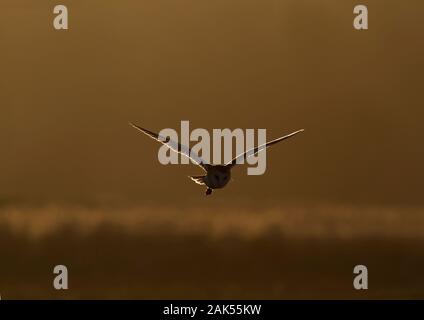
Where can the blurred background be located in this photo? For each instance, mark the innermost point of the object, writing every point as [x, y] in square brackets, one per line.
[79, 187]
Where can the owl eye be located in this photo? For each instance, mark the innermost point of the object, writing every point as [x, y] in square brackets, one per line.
[216, 177]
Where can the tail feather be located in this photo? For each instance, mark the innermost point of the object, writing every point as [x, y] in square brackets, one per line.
[198, 179]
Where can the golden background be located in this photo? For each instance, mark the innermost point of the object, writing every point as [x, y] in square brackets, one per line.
[79, 187]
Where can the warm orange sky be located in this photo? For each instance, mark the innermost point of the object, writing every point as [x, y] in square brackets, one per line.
[66, 97]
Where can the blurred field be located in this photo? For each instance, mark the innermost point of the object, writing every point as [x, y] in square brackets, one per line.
[246, 252]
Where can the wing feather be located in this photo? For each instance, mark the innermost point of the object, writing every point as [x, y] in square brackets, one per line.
[243, 156]
[173, 145]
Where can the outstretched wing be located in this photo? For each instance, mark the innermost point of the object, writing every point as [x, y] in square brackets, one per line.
[251, 152]
[173, 145]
